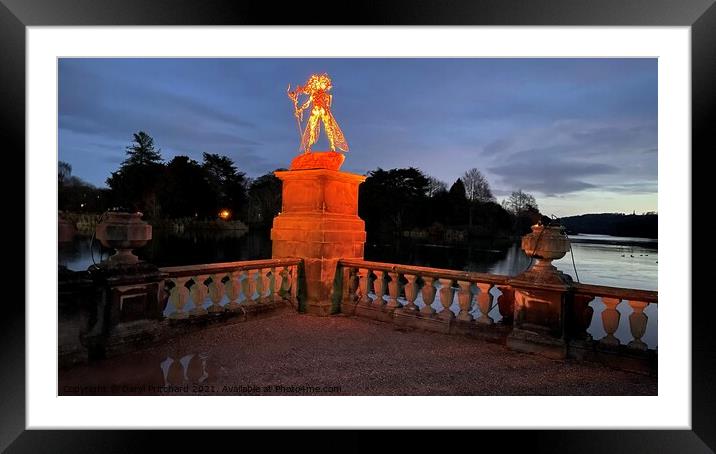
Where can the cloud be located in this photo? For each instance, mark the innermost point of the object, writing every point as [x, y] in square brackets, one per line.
[548, 177]
[575, 155]
[550, 126]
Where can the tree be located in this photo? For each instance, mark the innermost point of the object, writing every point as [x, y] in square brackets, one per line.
[524, 207]
[142, 152]
[435, 186]
[64, 172]
[134, 185]
[393, 200]
[519, 202]
[227, 182]
[264, 199]
[457, 190]
[477, 188]
[76, 195]
[185, 191]
[459, 205]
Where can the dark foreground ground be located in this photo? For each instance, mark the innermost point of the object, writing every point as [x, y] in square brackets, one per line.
[292, 354]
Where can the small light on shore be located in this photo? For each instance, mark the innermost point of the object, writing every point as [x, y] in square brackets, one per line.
[224, 214]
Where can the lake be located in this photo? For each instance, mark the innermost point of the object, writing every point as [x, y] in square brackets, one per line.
[598, 259]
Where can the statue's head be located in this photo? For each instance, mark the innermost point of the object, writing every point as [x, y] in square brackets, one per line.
[320, 82]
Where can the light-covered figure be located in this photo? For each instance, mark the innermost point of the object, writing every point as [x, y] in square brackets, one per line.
[319, 100]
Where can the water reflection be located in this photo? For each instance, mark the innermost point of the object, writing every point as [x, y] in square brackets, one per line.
[169, 248]
[189, 369]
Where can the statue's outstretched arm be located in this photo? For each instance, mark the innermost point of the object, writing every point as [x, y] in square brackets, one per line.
[307, 103]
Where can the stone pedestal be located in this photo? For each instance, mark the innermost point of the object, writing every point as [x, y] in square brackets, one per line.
[129, 308]
[318, 223]
[540, 296]
[538, 321]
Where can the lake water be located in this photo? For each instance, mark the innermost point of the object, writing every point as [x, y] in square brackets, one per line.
[598, 259]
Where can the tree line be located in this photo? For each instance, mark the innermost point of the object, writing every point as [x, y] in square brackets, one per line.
[179, 188]
[396, 200]
[390, 202]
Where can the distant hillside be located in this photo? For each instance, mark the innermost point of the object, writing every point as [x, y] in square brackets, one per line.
[616, 224]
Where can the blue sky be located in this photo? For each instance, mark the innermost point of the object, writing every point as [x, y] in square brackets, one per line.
[579, 134]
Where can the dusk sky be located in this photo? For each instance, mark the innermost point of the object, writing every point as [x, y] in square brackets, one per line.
[578, 134]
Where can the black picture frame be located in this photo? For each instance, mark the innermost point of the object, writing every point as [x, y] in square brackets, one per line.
[700, 15]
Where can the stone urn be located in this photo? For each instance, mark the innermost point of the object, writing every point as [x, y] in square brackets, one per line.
[544, 244]
[123, 232]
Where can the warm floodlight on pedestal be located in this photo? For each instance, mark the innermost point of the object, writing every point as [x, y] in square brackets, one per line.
[319, 220]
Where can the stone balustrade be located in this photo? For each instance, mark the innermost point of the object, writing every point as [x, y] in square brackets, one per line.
[203, 290]
[617, 300]
[486, 306]
[383, 290]
[460, 302]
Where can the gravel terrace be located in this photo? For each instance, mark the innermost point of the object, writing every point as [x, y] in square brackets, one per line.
[292, 354]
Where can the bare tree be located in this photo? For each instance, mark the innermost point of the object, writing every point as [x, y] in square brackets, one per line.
[476, 186]
[64, 172]
[435, 186]
[519, 202]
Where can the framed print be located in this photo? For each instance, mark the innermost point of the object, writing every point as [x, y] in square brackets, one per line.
[420, 216]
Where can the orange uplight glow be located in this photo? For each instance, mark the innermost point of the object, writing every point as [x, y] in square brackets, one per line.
[319, 101]
[224, 214]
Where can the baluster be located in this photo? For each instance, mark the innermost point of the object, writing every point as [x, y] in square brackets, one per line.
[379, 288]
[610, 320]
[178, 297]
[355, 286]
[275, 286]
[259, 286]
[428, 294]
[263, 284]
[248, 286]
[506, 303]
[232, 288]
[347, 276]
[447, 293]
[637, 324]
[484, 298]
[294, 284]
[464, 297]
[364, 279]
[285, 282]
[199, 292]
[216, 293]
[254, 283]
[393, 286]
[411, 292]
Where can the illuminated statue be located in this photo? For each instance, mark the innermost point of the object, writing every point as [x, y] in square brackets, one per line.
[317, 88]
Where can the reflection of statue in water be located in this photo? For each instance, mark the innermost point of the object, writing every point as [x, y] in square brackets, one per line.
[317, 88]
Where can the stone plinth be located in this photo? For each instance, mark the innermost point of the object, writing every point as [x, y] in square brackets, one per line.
[318, 223]
[540, 294]
[329, 160]
[129, 308]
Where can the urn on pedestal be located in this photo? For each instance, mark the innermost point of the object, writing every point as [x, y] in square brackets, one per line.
[543, 245]
[539, 295]
[123, 232]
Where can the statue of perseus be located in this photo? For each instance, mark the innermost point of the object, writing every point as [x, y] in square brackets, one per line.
[319, 100]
